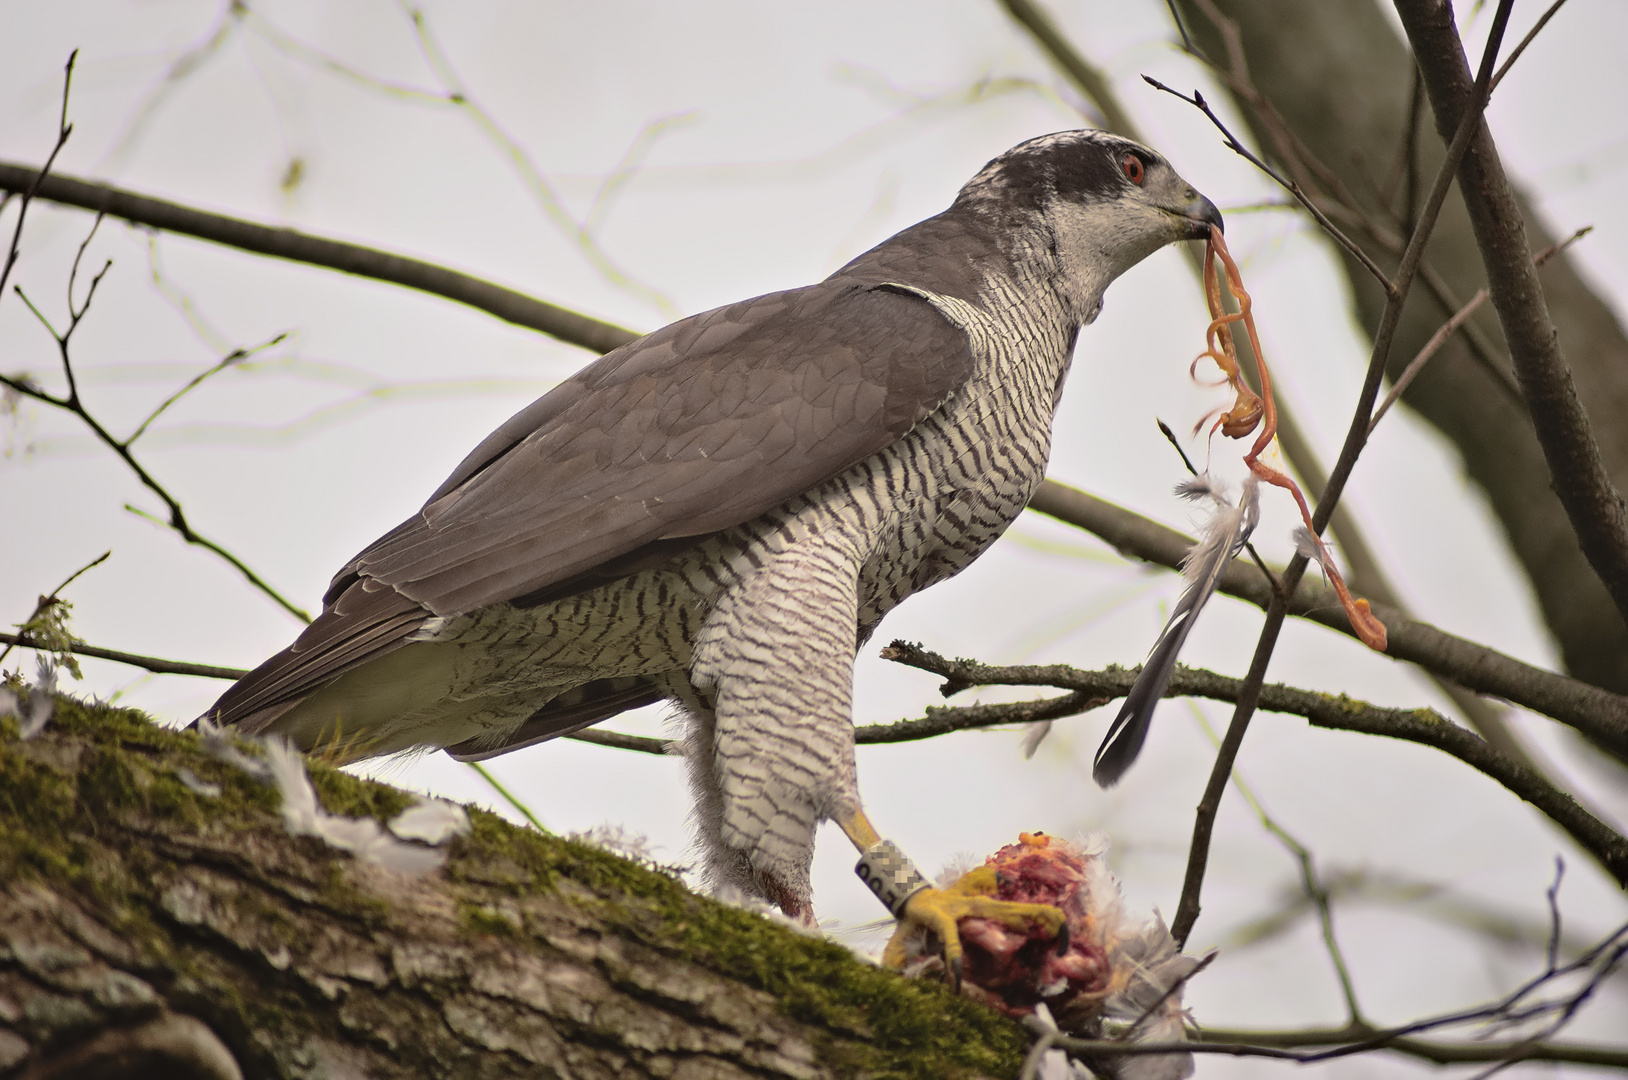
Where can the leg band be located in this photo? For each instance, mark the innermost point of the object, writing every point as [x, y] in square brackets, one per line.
[890, 874]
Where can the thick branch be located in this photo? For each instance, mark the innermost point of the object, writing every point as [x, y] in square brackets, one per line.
[151, 892]
[282, 243]
[1592, 502]
[1598, 713]
[150, 663]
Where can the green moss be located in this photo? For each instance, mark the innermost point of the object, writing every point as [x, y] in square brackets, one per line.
[44, 798]
[904, 1028]
[901, 1029]
[342, 793]
[126, 766]
[483, 919]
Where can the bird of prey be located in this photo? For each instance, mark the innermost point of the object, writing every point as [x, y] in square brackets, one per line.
[720, 513]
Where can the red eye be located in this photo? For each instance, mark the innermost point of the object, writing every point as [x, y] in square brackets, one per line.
[1133, 168]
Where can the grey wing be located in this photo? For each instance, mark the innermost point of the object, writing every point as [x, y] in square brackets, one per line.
[698, 427]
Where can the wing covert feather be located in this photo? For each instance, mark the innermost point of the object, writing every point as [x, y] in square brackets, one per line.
[695, 428]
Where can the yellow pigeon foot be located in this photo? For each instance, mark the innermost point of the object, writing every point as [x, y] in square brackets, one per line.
[941, 910]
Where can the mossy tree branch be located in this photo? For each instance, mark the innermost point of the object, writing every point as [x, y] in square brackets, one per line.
[141, 908]
[155, 906]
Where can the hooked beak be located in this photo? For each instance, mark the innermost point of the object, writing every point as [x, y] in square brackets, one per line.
[1199, 216]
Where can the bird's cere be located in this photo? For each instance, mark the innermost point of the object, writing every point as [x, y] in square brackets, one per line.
[1112, 966]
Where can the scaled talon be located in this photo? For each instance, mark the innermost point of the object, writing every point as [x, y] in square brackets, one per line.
[940, 911]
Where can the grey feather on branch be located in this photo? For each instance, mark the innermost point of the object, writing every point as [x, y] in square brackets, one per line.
[718, 514]
[1225, 535]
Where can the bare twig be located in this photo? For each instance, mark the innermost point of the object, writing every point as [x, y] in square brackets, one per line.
[232, 358]
[49, 600]
[1091, 82]
[532, 177]
[177, 521]
[1410, 150]
[1232, 143]
[1451, 326]
[642, 744]
[1598, 713]
[1271, 1045]
[1515, 53]
[1430, 348]
[1598, 963]
[508, 796]
[943, 720]
[1181, 28]
[1312, 885]
[1356, 438]
[1424, 726]
[255, 20]
[1044, 1041]
[149, 663]
[1552, 894]
[1427, 899]
[30, 190]
[71, 402]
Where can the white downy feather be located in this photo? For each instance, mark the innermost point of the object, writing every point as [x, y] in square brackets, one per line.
[1224, 536]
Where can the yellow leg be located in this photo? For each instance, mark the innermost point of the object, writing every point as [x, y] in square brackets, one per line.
[860, 831]
[939, 910]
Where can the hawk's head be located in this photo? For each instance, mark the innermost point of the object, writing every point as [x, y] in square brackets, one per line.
[1090, 203]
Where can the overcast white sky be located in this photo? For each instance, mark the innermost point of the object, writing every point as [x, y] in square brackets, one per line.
[785, 141]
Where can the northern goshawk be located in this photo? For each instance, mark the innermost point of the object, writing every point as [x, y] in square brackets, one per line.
[718, 514]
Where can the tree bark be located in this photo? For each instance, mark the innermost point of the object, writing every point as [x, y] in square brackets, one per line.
[1341, 78]
[158, 920]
